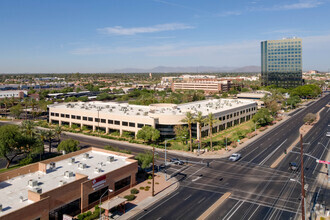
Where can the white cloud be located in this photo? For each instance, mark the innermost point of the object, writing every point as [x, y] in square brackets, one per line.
[119, 30]
[301, 4]
[228, 13]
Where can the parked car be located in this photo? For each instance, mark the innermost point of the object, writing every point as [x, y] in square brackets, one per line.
[235, 157]
[293, 166]
[177, 161]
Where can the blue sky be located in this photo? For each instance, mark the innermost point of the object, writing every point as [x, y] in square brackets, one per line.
[103, 35]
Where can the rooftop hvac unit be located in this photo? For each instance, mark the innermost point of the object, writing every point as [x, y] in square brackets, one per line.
[71, 160]
[110, 159]
[97, 170]
[33, 183]
[82, 166]
[86, 155]
[62, 182]
[68, 174]
[38, 190]
[52, 165]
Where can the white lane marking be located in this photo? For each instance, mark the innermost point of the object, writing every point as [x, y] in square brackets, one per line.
[236, 204]
[271, 154]
[159, 204]
[201, 200]
[254, 212]
[187, 198]
[235, 211]
[196, 179]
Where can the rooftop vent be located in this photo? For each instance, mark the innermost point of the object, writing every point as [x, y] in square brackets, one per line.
[86, 156]
[71, 160]
[37, 190]
[0, 207]
[33, 183]
[62, 182]
[21, 199]
[52, 165]
[68, 174]
[110, 159]
[82, 166]
[97, 170]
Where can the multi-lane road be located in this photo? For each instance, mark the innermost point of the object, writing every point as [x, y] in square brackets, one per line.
[258, 192]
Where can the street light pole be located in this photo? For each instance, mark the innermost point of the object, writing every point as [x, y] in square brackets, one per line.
[153, 171]
[302, 179]
[165, 162]
[110, 190]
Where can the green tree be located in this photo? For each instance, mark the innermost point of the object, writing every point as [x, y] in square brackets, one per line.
[144, 159]
[28, 127]
[50, 135]
[189, 119]
[224, 95]
[68, 145]
[262, 117]
[211, 120]
[181, 132]
[200, 120]
[13, 143]
[293, 101]
[58, 131]
[148, 134]
[16, 110]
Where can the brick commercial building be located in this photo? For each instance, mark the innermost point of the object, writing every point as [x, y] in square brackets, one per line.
[67, 184]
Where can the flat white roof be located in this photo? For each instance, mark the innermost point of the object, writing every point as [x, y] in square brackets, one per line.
[205, 106]
[11, 190]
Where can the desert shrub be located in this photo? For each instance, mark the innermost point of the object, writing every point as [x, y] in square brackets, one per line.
[130, 197]
[141, 188]
[134, 191]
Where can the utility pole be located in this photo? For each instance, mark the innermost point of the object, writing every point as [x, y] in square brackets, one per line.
[302, 179]
[153, 171]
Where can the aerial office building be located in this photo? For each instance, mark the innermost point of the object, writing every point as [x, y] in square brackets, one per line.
[281, 62]
[122, 117]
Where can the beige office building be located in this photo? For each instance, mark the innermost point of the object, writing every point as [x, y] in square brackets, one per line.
[113, 116]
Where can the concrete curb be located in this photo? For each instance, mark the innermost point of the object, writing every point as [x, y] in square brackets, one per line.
[150, 201]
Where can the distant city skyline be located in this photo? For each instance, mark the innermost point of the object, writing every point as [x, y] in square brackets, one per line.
[102, 36]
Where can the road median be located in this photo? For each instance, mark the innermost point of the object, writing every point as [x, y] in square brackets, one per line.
[214, 206]
[302, 130]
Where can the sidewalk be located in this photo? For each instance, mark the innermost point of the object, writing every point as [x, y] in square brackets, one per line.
[144, 201]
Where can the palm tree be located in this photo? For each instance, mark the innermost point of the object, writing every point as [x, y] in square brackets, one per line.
[189, 119]
[211, 120]
[28, 127]
[200, 120]
[6, 103]
[50, 135]
[43, 136]
[58, 132]
[33, 105]
[26, 105]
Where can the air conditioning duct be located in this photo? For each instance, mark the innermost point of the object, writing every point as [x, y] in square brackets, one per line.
[81, 166]
[33, 183]
[110, 159]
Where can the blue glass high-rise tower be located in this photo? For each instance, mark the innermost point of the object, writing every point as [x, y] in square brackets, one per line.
[281, 62]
